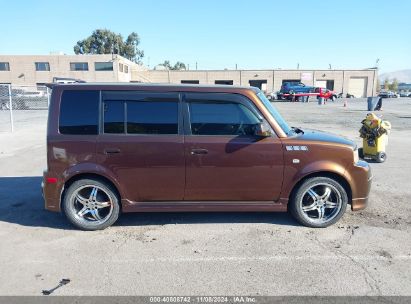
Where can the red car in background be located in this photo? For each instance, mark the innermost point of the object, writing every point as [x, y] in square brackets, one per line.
[326, 93]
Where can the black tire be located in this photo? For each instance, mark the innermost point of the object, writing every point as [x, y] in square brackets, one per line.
[361, 153]
[381, 157]
[105, 189]
[295, 205]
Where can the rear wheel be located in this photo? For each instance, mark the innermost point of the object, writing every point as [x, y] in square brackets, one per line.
[318, 202]
[91, 204]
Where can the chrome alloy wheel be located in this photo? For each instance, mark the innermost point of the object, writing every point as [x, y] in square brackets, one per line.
[321, 203]
[91, 204]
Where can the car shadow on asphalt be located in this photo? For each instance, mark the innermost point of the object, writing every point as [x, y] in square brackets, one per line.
[21, 203]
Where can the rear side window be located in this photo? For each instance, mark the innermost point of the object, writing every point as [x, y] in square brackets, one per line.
[141, 113]
[114, 116]
[152, 117]
[79, 112]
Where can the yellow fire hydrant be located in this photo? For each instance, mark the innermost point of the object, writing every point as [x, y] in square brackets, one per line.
[374, 132]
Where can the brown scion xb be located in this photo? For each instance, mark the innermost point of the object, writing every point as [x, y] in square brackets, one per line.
[162, 148]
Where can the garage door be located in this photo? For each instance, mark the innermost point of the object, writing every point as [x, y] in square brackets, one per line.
[357, 86]
[321, 83]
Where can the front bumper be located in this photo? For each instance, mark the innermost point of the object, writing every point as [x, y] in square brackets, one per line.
[361, 180]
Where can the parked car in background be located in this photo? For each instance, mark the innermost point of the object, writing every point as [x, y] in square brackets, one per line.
[405, 94]
[141, 148]
[388, 94]
[348, 95]
[293, 87]
[326, 93]
[272, 96]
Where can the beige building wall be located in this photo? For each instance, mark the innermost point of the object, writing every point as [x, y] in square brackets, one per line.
[274, 78]
[23, 71]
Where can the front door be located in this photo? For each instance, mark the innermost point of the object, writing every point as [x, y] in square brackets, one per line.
[142, 145]
[225, 161]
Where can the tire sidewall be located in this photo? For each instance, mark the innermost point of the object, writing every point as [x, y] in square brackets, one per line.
[298, 214]
[81, 225]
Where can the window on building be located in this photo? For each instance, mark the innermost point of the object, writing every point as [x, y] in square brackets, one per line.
[225, 82]
[221, 118]
[142, 114]
[190, 81]
[78, 66]
[79, 112]
[126, 69]
[103, 66]
[121, 67]
[41, 86]
[4, 66]
[42, 66]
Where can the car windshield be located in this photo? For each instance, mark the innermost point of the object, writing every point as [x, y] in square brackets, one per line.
[277, 116]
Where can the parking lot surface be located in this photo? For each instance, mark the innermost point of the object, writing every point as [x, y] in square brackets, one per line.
[366, 253]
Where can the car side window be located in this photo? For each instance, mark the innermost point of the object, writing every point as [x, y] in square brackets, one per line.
[140, 113]
[160, 117]
[221, 118]
[79, 112]
[114, 116]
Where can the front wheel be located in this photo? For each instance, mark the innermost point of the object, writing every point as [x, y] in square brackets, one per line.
[91, 204]
[318, 202]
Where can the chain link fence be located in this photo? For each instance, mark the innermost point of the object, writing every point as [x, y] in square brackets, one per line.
[16, 99]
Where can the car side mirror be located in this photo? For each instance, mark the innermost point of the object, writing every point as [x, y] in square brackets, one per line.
[263, 130]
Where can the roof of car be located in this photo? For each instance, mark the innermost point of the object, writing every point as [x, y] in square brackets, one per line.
[176, 87]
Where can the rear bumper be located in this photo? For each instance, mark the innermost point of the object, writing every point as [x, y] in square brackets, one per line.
[51, 192]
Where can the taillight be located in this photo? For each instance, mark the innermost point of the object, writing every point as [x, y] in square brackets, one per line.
[51, 180]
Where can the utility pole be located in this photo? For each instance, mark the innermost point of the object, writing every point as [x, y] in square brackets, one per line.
[196, 65]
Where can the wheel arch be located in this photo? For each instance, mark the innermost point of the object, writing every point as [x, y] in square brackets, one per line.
[95, 176]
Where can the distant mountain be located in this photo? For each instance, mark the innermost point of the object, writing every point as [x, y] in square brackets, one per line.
[402, 76]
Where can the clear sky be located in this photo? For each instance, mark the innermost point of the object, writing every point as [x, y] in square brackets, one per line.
[219, 34]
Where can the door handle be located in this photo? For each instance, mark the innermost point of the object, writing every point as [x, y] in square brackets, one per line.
[199, 151]
[112, 151]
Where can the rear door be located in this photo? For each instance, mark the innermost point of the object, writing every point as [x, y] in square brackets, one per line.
[142, 145]
[225, 160]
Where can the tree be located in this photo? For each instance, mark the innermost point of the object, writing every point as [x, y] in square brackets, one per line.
[394, 85]
[103, 41]
[386, 84]
[166, 64]
[178, 66]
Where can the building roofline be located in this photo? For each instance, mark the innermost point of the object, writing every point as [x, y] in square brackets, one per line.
[151, 85]
[267, 70]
